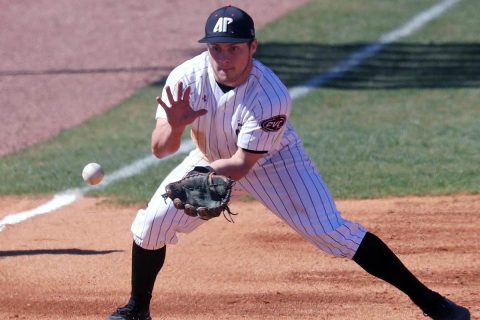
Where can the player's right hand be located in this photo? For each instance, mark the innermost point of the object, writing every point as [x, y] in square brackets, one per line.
[179, 113]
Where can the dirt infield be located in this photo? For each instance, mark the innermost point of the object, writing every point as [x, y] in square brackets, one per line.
[69, 265]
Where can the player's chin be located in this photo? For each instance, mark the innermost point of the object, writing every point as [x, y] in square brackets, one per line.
[226, 78]
[223, 75]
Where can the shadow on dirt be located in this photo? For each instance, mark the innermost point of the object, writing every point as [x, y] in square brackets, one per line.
[74, 251]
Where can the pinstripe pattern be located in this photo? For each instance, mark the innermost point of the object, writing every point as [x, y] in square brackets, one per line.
[290, 186]
[285, 180]
[159, 223]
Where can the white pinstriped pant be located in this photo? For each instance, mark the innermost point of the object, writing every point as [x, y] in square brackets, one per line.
[286, 183]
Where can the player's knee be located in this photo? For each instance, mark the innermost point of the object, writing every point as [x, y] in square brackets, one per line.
[148, 245]
[144, 232]
[343, 241]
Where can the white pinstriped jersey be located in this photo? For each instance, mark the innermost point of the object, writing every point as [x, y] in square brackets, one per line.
[253, 116]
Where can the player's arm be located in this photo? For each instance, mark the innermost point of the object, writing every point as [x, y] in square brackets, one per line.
[165, 138]
[238, 165]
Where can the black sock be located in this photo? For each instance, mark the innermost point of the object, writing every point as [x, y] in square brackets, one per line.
[376, 258]
[146, 264]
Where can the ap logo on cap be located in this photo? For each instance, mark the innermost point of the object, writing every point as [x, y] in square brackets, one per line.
[222, 23]
[228, 25]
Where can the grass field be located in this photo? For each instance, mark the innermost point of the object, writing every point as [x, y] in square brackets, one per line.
[405, 121]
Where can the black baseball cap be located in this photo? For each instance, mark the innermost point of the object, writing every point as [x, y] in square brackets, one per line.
[228, 25]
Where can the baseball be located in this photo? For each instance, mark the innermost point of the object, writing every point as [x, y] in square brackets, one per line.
[93, 173]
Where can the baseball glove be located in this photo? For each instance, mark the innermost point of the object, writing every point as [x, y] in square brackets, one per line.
[201, 193]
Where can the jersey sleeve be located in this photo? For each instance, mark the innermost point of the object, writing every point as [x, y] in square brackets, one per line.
[262, 131]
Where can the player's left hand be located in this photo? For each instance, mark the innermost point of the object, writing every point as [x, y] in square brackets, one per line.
[201, 193]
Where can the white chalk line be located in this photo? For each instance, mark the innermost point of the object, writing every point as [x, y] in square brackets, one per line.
[67, 197]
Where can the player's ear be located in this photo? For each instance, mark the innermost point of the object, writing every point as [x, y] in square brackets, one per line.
[253, 46]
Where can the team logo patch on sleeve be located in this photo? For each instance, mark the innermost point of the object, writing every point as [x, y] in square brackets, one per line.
[274, 123]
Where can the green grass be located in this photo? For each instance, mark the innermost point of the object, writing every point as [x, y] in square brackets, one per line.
[458, 26]
[400, 142]
[403, 122]
[113, 139]
[338, 22]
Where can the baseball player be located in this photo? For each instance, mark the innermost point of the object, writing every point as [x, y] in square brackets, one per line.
[239, 111]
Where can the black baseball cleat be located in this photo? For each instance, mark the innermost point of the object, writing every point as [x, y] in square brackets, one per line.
[447, 310]
[129, 312]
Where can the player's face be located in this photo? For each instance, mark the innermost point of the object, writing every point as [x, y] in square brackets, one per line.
[232, 62]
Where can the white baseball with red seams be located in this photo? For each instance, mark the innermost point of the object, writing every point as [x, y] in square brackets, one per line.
[93, 173]
[253, 116]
